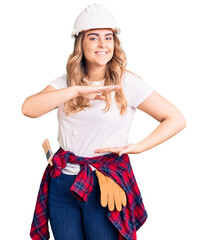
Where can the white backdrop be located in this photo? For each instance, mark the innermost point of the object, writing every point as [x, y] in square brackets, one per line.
[166, 44]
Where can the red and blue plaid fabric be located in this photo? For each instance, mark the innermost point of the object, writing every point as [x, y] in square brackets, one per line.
[127, 221]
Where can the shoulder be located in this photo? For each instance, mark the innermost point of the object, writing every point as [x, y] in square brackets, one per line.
[135, 88]
[132, 80]
[59, 82]
[129, 75]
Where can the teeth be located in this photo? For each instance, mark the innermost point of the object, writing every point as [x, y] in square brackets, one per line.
[102, 53]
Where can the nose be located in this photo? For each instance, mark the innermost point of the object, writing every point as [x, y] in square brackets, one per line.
[101, 43]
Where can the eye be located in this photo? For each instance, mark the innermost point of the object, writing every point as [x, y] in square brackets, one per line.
[92, 38]
[110, 38]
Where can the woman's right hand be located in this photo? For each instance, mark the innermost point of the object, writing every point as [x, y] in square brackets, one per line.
[92, 92]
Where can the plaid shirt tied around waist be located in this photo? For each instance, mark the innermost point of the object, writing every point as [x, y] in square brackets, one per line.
[118, 168]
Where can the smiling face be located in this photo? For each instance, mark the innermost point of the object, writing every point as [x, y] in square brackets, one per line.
[98, 46]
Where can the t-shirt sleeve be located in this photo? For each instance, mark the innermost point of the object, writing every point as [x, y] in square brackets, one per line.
[59, 83]
[137, 90]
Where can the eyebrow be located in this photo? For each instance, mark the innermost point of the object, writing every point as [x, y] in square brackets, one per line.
[98, 34]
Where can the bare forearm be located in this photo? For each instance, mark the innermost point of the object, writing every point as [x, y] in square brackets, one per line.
[41, 103]
[167, 129]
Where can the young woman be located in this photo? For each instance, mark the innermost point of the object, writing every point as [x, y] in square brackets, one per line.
[96, 101]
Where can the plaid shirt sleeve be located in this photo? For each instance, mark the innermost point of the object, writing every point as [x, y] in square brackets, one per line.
[127, 221]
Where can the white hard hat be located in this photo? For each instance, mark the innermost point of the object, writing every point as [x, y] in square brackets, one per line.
[92, 17]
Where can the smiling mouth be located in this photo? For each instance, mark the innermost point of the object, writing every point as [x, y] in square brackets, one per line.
[101, 53]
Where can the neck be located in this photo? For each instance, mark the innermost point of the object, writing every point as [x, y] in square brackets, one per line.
[95, 73]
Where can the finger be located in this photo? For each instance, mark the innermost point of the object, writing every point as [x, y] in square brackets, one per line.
[101, 150]
[104, 197]
[113, 88]
[111, 202]
[105, 149]
[105, 87]
[120, 154]
[110, 86]
[99, 97]
[101, 88]
[118, 201]
[123, 197]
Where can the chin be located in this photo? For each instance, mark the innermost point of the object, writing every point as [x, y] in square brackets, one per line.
[100, 62]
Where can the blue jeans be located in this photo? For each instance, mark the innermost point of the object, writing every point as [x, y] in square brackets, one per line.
[71, 219]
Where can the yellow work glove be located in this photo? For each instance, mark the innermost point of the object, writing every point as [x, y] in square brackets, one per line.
[110, 192]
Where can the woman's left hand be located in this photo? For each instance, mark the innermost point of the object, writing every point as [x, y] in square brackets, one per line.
[130, 148]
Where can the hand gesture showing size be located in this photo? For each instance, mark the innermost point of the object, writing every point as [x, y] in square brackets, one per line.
[91, 92]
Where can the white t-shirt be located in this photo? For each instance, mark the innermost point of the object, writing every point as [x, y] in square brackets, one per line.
[84, 132]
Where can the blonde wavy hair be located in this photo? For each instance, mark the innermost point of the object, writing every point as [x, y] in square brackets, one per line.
[77, 70]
